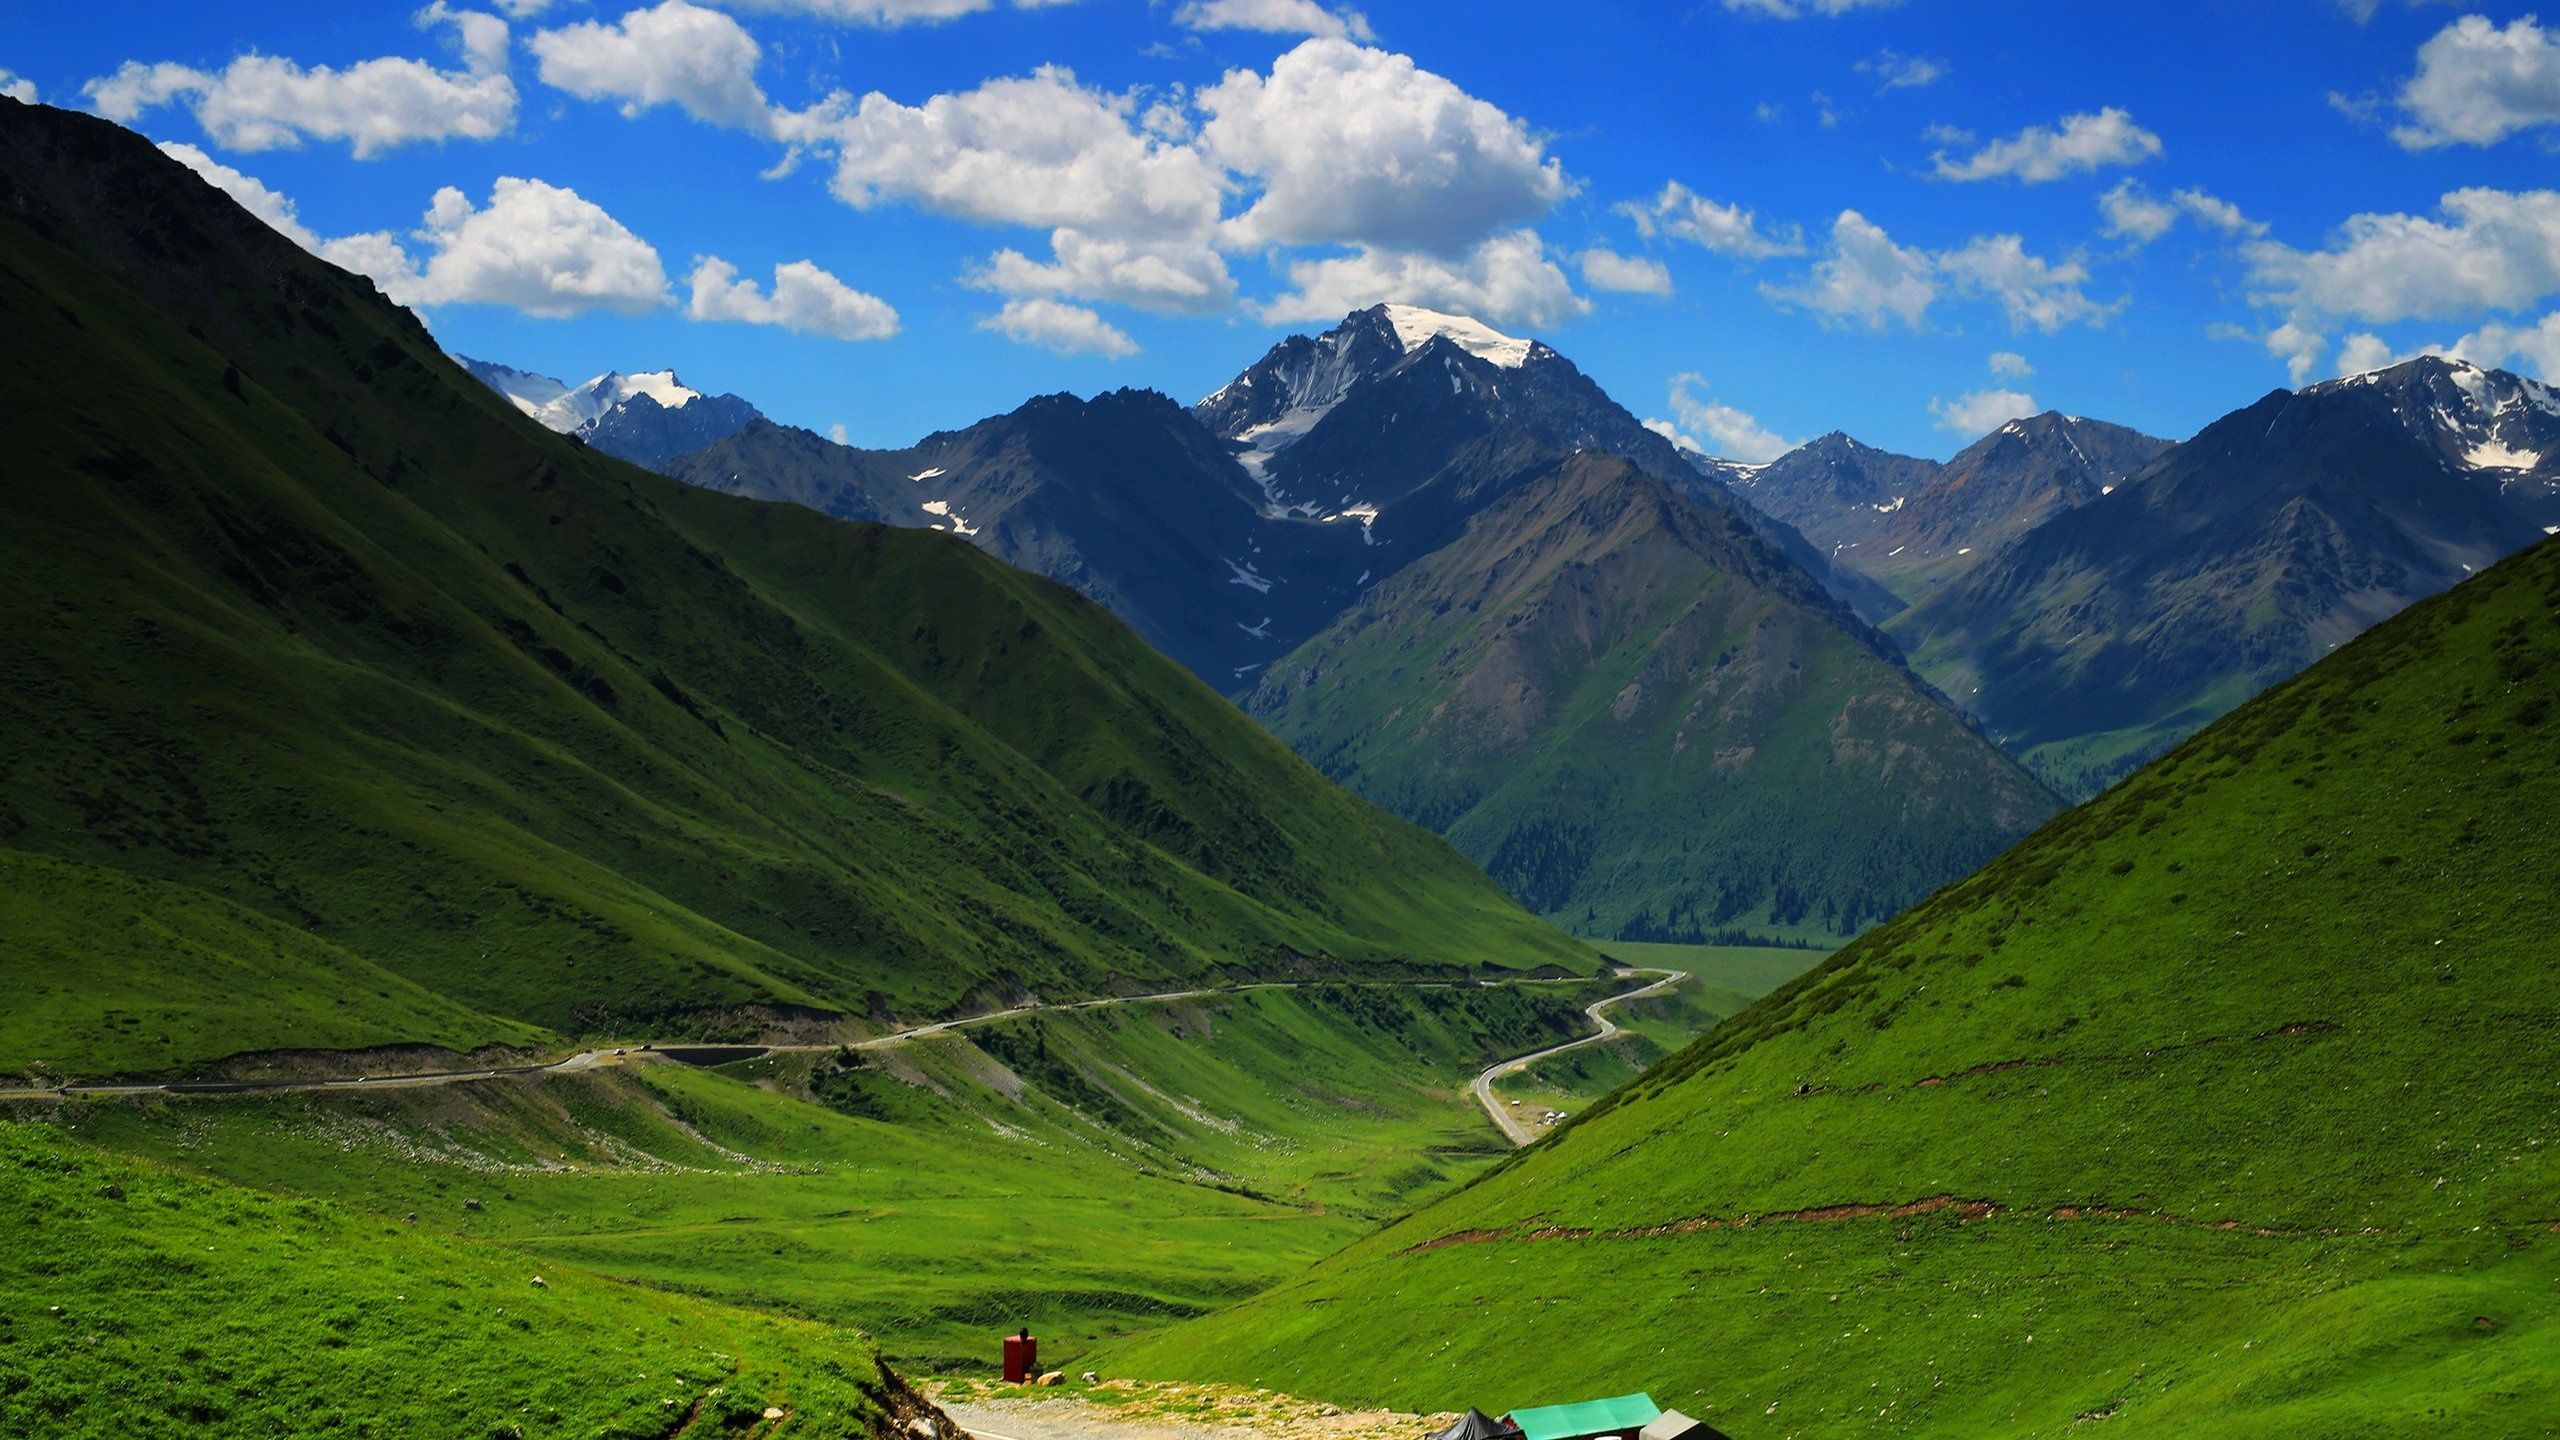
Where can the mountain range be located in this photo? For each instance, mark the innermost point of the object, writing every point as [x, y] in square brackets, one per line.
[2099, 638]
[1386, 491]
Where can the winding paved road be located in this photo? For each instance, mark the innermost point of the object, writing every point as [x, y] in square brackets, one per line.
[1512, 1129]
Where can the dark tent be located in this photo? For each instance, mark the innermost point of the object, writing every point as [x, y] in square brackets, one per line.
[1477, 1425]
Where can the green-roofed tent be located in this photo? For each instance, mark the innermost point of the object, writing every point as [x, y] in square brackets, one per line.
[1623, 1415]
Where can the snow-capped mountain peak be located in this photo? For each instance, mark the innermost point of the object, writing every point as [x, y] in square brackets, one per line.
[567, 408]
[605, 411]
[2476, 418]
[1415, 327]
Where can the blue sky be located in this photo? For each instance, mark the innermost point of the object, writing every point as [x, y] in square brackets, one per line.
[1755, 220]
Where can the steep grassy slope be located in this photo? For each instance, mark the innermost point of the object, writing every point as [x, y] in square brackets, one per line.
[2224, 1105]
[307, 625]
[136, 1300]
[1645, 724]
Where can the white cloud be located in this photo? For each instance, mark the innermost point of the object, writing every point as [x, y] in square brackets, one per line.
[1506, 280]
[252, 193]
[1358, 146]
[2477, 84]
[1279, 17]
[17, 87]
[2009, 364]
[2134, 213]
[261, 102]
[1181, 275]
[521, 9]
[1792, 9]
[2219, 213]
[1037, 150]
[804, 298]
[2036, 154]
[883, 14]
[1635, 274]
[837, 433]
[2298, 347]
[1684, 214]
[2036, 294]
[2494, 345]
[1712, 427]
[1866, 278]
[2492, 250]
[1056, 326]
[670, 54]
[1982, 411]
[1896, 71]
[2360, 353]
[537, 247]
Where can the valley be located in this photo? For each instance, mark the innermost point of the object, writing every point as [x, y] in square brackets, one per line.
[536, 907]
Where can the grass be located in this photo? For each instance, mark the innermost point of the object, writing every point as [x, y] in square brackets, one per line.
[309, 629]
[1087, 1174]
[2221, 1106]
[139, 1300]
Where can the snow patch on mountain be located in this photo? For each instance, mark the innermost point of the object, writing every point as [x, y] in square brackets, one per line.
[568, 408]
[1416, 327]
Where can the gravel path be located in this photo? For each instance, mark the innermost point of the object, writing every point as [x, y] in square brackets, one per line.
[1181, 1412]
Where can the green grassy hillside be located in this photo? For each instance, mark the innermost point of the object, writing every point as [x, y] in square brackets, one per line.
[1085, 1173]
[2225, 1105]
[136, 1300]
[308, 627]
[1646, 725]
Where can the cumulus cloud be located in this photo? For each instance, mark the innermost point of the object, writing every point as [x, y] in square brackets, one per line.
[2036, 294]
[2537, 344]
[2011, 365]
[2298, 347]
[1038, 150]
[1896, 71]
[1057, 326]
[2134, 213]
[1684, 214]
[1507, 280]
[2478, 83]
[1794, 9]
[536, 247]
[1182, 276]
[1866, 278]
[670, 54]
[804, 298]
[252, 193]
[1636, 274]
[2490, 250]
[2038, 154]
[1869, 280]
[1982, 411]
[1351, 145]
[1278, 17]
[263, 102]
[1711, 427]
[883, 14]
[17, 87]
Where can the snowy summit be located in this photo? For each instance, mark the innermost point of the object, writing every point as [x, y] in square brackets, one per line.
[1416, 326]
